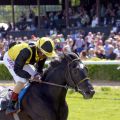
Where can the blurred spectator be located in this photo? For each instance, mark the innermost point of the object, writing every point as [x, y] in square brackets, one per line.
[70, 43]
[111, 54]
[117, 51]
[79, 43]
[106, 47]
[85, 19]
[94, 21]
[67, 48]
[2, 51]
[23, 17]
[90, 37]
[91, 53]
[31, 17]
[100, 53]
[83, 55]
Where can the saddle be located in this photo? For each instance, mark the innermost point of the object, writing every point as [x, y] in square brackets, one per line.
[5, 95]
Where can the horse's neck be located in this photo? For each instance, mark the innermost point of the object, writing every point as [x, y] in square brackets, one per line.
[57, 78]
[54, 92]
[51, 93]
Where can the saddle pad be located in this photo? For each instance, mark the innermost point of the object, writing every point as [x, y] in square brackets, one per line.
[22, 93]
[4, 98]
[5, 95]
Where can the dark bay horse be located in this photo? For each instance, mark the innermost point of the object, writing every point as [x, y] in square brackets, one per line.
[46, 101]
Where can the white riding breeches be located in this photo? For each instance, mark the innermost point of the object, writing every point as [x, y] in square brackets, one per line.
[10, 65]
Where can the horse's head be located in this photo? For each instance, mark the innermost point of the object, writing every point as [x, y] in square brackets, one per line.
[77, 76]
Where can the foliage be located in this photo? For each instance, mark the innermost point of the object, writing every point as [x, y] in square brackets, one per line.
[6, 12]
[4, 73]
[104, 72]
[96, 72]
[96, 59]
[75, 3]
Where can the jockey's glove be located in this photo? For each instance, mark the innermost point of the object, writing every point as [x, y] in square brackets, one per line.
[36, 77]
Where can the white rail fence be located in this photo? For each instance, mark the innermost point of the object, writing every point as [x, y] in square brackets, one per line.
[114, 62]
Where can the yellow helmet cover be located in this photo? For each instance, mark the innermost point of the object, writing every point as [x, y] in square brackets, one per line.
[46, 45]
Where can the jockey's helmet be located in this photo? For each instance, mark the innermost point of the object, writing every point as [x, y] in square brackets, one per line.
[46, 45]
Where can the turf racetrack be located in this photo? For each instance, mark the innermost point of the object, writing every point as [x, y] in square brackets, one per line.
[104, 106]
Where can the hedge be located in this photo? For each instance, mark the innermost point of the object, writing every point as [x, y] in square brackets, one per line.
[4, 73]
[96, 72]
[104, 72]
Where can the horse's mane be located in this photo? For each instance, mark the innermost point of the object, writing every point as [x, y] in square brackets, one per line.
[55, 62]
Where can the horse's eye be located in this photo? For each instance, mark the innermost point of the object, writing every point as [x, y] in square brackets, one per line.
[74, 66]
[75, 71]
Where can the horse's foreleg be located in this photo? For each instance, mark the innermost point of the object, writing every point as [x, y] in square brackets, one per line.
[63, 111]
[24, 116]
[21, 115]
[3, 116]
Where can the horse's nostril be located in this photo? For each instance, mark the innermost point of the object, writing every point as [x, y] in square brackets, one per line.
[89, 94]
[90, 87]
[93, 92]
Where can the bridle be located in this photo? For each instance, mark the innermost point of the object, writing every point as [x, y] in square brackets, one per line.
[67, 76]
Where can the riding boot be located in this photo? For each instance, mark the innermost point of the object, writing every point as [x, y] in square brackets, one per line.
[11, 105]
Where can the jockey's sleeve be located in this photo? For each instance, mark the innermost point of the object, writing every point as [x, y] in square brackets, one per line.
[20, 62]
[40, 65]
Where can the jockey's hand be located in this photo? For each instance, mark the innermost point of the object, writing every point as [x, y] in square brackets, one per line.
[36, 77]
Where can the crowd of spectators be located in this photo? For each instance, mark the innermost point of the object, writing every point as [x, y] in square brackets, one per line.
[92, 46]
[26, 21]
[87, 46]
[81, 16]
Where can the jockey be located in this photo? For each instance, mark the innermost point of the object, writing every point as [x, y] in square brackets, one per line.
[20, 60]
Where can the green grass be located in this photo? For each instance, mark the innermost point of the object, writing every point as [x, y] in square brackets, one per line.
[104, 106]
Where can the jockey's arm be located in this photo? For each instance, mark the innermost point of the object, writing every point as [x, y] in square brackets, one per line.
[40, 65]
[20, 62]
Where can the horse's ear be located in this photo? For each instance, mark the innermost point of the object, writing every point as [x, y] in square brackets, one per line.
[76, 55]
[63, 56]
[67, 57]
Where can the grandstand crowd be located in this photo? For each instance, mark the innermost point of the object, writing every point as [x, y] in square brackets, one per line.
[80, 16]
[89, 46]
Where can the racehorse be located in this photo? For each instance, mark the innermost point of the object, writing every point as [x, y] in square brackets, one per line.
[46, 100]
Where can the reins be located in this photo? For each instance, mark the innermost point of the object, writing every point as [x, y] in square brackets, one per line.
[49, 83]
[62, 86]
[53, 84]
